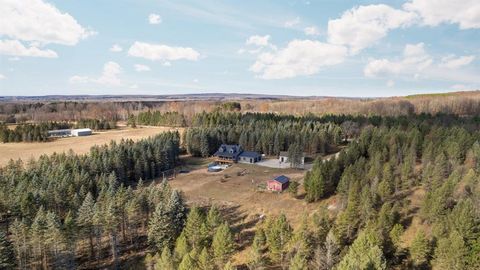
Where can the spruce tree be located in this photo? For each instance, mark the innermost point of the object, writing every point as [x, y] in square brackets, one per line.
[187, 263]
[165, 261]
[420, 249]
[181, 247]
[298, 262]
[85, 220]
[364, 253]
[7, 255]
[451, 253]
[205, 260]
[195, 228]
[222, 244]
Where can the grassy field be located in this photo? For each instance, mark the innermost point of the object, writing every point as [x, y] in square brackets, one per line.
[79, 145]
[235, 191]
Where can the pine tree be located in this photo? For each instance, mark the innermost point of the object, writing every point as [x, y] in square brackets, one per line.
[195, 228]
[181, 247]
[364, 253]
[204, 260]
[160, 228]
[451, 253]
[85, 220]
[256, 255]
[7, 255]
[213, 219]
[229, 266]
[165, 260]
[298, 262]
[222, 244]
[278, 235]
[326, 254]
[187, 263]
[19, 235]
[420, 249]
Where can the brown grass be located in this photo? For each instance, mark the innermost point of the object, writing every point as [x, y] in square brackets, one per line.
[242, 203]
[79, 145]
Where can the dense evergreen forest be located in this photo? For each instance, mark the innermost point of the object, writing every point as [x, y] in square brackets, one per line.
[38, 132]
[265, 133]
[54, 204]
[29, 132]
[156, 118]
[96, 124]
[67, 210]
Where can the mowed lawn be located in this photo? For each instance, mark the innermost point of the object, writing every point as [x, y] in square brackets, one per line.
[79, 145]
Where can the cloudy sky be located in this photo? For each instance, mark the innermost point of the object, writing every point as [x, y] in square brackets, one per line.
[330, 47]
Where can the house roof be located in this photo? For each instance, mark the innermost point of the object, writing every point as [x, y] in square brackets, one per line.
[229, 150]
[249, 154]
[282, 179]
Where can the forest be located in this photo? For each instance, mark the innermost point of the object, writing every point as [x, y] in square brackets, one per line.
[38, 132]
[68, 210]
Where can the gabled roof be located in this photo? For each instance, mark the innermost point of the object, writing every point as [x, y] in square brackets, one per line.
[229, 150]
[249, 154]
[282, 179]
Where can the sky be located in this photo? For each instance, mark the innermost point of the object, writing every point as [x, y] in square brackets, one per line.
[302, 48]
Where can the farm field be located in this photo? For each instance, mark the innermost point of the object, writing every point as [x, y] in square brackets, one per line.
[79, 145]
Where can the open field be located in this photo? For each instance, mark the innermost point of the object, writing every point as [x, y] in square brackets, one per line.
[79, 145]
[242, 203]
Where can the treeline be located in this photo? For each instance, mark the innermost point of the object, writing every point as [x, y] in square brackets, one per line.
[372, 179]
[29, 132]
[59, 201]
[96, 124]
[265, 133]
[156, 118]
[205, 242]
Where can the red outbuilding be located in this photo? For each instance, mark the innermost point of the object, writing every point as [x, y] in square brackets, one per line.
[279, 183]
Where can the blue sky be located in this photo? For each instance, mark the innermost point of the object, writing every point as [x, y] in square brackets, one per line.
[322, 48]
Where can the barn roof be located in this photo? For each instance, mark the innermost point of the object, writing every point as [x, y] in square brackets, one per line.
[282, 179]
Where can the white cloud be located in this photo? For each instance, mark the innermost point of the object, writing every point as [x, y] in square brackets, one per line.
[390, 83]
[300, 57]
[110, 73]
[154, 19]
[2, 77]
[35, 20]
[134, 86]
[140, 68]
[466, 13]
[292, 23]
[363, 26]
[453, 62]
[311, 31]
[109, 76]
[16, 48]
[116, 48]
[414, 60]
[167, 64]
[160, 52]
[417, 63]
[78, 79]
[257, 40]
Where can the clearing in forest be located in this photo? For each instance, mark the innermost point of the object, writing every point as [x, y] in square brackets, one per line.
[79, 145]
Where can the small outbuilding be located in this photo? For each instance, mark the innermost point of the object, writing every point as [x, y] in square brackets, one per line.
[81, 132]
[279, 183]
[283, 158]
[249, 157]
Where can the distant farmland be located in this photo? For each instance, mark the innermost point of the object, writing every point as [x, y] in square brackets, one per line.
[79, 145]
